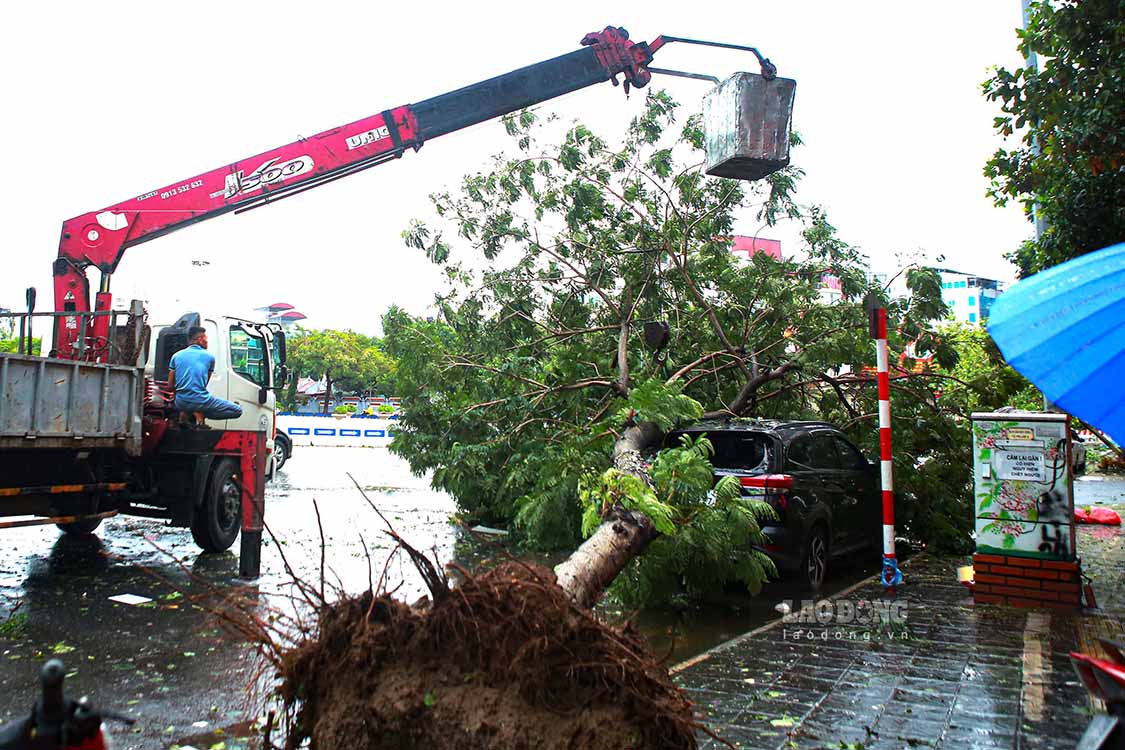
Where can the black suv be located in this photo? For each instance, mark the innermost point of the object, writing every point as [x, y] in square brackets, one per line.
[826, 494]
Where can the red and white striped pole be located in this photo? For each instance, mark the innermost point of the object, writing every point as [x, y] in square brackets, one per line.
[892, 576]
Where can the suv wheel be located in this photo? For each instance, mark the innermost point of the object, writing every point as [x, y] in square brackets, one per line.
[280, 455]
[815, 565]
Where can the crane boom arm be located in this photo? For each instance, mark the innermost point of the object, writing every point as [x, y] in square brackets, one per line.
[100, 238]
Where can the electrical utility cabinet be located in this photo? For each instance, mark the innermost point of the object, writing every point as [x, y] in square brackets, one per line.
[1024, 484]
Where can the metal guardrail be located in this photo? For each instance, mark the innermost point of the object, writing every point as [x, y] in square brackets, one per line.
[112, 349]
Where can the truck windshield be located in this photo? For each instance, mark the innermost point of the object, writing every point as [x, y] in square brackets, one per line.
[248, 355]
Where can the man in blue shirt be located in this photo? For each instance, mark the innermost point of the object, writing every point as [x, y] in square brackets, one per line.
[189, 372]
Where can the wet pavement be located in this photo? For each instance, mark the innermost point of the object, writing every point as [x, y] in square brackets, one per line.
[169, 663]
[930, 671]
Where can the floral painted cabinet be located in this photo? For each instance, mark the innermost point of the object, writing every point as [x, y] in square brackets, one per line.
[1023, 484]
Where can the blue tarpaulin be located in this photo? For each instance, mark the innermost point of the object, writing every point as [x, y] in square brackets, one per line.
[1064, 329]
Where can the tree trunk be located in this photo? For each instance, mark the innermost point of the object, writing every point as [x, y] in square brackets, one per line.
[624, 533]
[327, 391]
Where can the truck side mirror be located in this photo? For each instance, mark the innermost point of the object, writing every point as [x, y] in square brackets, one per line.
[263, 394]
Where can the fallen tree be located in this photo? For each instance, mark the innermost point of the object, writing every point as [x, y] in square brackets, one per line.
[559, 377]
[505, 659]
[602, 308]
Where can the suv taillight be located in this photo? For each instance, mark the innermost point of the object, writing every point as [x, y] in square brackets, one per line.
[773, 488]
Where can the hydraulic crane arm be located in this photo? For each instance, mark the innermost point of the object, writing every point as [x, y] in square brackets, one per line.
[100, 238]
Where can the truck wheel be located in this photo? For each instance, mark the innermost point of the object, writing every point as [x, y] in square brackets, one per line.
[217, 520]
[81, 527]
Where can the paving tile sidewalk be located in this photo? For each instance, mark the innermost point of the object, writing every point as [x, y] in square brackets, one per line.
[949, 675]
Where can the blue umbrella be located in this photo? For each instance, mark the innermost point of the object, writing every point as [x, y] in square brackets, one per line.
[1064, 329]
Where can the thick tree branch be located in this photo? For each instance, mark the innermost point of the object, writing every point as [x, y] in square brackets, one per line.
[840, 393]
[623, 346]
[748, 390]
[692, 365]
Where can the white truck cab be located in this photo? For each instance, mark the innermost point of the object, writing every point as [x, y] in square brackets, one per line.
[249, 366]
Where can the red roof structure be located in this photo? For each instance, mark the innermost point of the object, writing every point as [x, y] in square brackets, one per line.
[751, 246]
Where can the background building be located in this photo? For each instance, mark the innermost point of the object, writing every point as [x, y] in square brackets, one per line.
[282, 313]
[969, 297]
[751, 246]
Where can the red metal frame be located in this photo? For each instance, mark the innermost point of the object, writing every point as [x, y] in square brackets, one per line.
[100, 238]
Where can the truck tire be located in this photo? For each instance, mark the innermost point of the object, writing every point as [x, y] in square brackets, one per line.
[216, 521]
[81, 527]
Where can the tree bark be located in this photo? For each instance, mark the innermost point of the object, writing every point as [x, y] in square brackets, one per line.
[624, 533]
[327, 391]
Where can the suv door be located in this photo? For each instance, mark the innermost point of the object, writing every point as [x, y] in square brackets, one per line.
[826, 464]
[810, 496]
[862, 494]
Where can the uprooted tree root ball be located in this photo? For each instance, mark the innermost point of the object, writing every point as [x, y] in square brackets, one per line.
[504, 660]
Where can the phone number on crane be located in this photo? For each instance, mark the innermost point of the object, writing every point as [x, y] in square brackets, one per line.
[180, 189]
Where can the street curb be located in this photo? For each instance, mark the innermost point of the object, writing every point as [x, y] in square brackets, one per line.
[688, 663]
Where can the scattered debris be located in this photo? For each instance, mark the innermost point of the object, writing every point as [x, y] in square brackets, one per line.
[130, 599]
[489, 531]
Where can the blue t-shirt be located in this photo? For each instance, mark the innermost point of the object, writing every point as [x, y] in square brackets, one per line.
[193, 366]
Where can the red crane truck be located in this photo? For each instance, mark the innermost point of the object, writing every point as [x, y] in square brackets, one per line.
[88, 432]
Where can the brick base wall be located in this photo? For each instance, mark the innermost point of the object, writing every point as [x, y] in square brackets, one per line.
[1024, 582]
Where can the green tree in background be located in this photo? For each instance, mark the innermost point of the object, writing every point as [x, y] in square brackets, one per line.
[345, 359]
[1069, 166]
[546, 350]
[11, 345]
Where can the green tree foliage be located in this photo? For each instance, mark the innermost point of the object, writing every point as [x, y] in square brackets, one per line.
[345, 359]
[1070, 115]
[515, 392]
[288, 399]
[11, 345]
[709, 531]
[984, 381]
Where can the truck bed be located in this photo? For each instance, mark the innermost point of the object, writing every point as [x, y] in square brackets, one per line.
[56, 403]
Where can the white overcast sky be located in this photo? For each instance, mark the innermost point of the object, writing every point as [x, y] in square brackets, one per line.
[106, 100]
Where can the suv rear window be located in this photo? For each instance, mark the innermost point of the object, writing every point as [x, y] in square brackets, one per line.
[738, 450]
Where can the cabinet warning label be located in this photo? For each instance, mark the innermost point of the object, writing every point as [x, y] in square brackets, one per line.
[1026, 465]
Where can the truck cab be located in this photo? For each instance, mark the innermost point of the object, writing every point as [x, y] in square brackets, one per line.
[249, 367]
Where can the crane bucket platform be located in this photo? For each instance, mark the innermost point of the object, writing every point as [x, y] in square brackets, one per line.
[747, 119]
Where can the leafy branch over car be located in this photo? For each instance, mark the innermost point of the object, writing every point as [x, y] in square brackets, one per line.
[534, 384]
